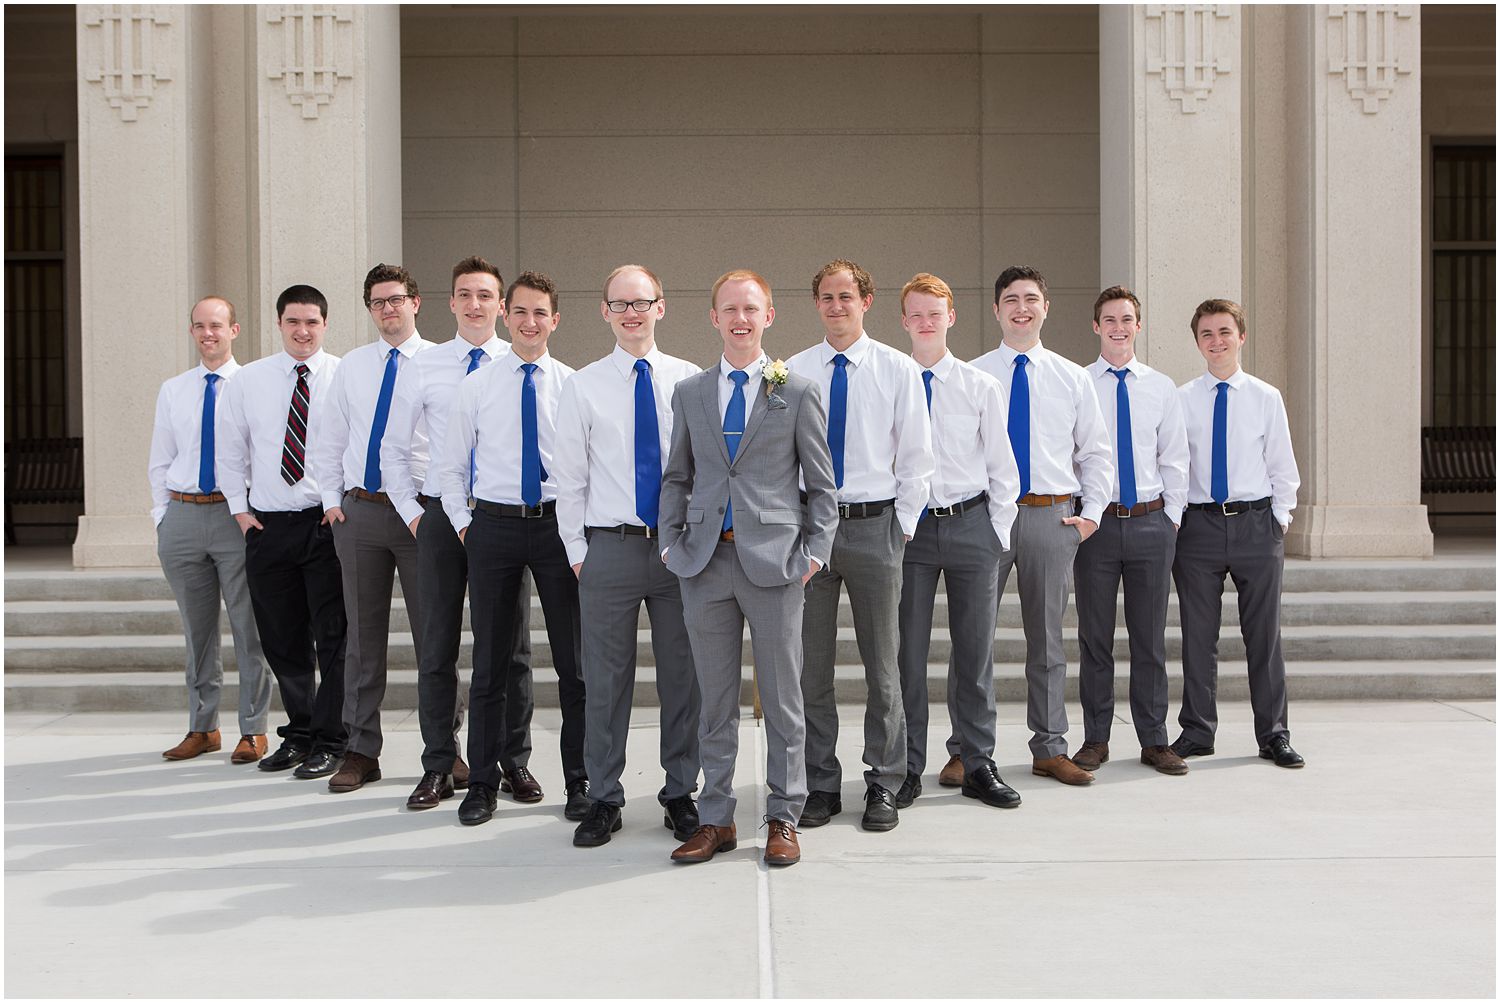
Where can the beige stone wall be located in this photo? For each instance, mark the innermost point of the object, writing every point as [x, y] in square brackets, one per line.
[694, 142]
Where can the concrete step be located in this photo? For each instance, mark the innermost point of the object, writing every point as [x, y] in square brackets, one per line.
[165, 652]
[1310, 680]
[79, 618]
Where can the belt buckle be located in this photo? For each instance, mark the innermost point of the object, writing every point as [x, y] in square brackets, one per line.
[1224, 508]
[944, 512]
[530, 512]
[651, 532]
[1121, 512]
[845, 510]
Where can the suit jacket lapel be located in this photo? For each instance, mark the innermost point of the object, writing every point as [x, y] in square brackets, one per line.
[757, 413]
[709, 395]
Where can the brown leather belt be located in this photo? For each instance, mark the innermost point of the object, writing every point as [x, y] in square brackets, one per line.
[1040, 501]
[209, 499]
[371, 496]
[1135, 511]
[727, 536]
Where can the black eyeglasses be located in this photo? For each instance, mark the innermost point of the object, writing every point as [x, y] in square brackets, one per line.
[639, 306]
[394, 301]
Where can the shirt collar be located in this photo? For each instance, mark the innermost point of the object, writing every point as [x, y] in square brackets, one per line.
[1033, 354]
[544, 363]
[407, 348]
[855, 353]
[752, 370]
[624, 362]
[943, 368]
[225, 371]
[1102, 366]
[494, 348]
[1237, 380]
[314, 362]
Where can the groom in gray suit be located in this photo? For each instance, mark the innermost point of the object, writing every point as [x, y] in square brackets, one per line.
[734, 529]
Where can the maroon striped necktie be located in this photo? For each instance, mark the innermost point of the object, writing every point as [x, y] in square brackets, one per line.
[294, 447]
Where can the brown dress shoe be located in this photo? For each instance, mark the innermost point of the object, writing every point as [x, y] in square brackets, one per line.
[1061, 768]
[195, 743]
[1164, 760]
[1092, 756]
[952, 775]
[707, 841]
[355, 772]
[434, 787]
[781, 843]
[520, 784]
[249, 749]
[460, 774]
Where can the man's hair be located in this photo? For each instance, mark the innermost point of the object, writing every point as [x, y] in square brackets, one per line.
[215, 297]
[1016, 273]
[472, 265]
[389, 273]
[534, 280]
[1116, 293]
[655, 282]
[305, 295]
[861, 277]
[926, 282]
[740, 275]
[1209, 307]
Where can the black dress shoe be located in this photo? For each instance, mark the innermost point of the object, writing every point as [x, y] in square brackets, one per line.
[319, 764]
[1186, 747]
[681, 817]
[880, 810]
[579, 802]
[283, 758]
[986, 785]
[820, 807]
[911, 789]
[1280, 751]
[596, 826]
[521, 785]
[434, 787]
[478, 805]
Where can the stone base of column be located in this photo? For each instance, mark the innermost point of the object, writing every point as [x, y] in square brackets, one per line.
[1359, 531]
[115, 541]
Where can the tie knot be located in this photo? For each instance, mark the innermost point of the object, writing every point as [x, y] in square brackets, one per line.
[642, 366]
[1119, 374]
[1020, 362]
[1221, 387]
[302, 370]
[393, 353]
[927, 377]
[739, 377]
[530, 367]
[475, 354]
[212, 378]
[841, 360]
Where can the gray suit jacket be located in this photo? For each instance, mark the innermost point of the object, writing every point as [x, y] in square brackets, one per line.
[786, 434]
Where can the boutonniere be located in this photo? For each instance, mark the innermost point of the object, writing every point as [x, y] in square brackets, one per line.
[775, 375]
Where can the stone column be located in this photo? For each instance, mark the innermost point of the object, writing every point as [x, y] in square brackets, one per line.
[1355, 280]
[1170, 177]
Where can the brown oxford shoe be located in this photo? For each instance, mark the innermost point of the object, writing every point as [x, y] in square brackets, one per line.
[354, 773]
[249, 749]
[195, 743]
[1092, 756]
[460, 774]
[434, 787]
[520, 784]
[1061, 768]
[1164, 760]
[781, 843]
[952, 775]
[707, 841]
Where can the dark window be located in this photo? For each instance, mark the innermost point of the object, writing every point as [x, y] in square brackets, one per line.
[35, 299]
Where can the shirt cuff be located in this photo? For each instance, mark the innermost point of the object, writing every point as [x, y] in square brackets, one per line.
[577, 551]
[1174, 512]
[1093, 512]
[158, 514]
[409, 510]
[332, 499]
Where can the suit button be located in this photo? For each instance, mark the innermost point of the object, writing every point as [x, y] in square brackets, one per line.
[721, 509]
[733, 473]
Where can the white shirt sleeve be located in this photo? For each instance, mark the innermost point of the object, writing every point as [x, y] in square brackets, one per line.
[163, 452]
[570, 470]
[1281, 465]
[1172, 457]
[232, 447]
[999, 462]
[330, 437]
[914, 460]
[453, 471]
[403, 443]
[1093, 453]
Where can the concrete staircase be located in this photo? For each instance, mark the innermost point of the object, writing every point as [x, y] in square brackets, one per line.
[78, 640]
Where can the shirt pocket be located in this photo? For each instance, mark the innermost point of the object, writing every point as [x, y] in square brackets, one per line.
[959, 433]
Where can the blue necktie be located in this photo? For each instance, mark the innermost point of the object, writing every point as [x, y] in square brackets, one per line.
[377, 427]
[206, 482]
[734, 427]
[475, 354]
[532, 473]
[838, 415]
[647, 447]
[927, 386]
[1219, 479]
[1019, 422]
[1124, 442]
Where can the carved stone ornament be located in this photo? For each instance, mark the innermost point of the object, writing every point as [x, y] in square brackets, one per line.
[1365, 44]
[316, 44]
[1181, 49]
[120, 42]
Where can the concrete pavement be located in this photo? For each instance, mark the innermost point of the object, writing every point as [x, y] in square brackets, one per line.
[1369, 873]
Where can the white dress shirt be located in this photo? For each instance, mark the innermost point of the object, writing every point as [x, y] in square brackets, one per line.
[1071, 452]
[425, 390]
[887, 438]
[1158, 435]
[343, 435]
[969, 442]
[593, 454]
[486, 418]
[752, 386]
[1258, 443]
[250, 431]
[177, 435]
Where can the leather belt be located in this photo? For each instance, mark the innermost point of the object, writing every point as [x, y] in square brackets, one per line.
[371, 496]
[727, 536]
[1135, 511]
[1231, 508]
[541, 511]
[649, 532]
[208, 499]
[864, 510]
[959, 507]
[1040, 501]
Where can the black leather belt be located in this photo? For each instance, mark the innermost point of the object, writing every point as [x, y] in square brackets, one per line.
[1135, 511]
[314, 513]
[864, 510]
[649, 532]
[1231, 508]
[541, 511]
[959, 507]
